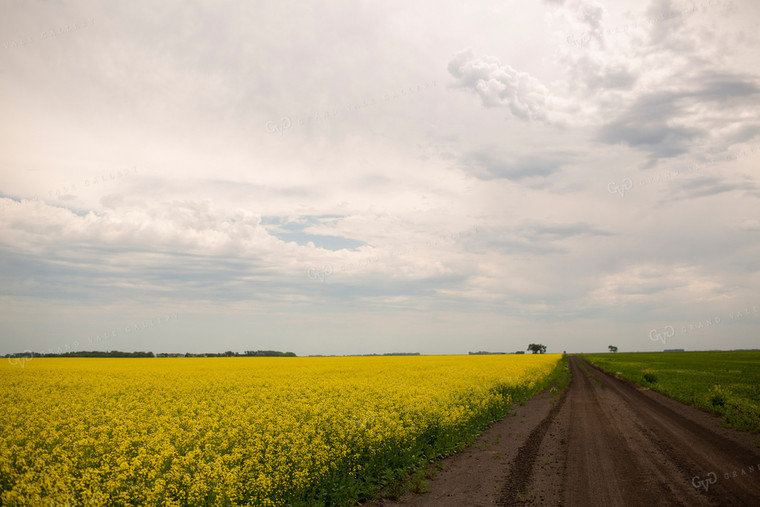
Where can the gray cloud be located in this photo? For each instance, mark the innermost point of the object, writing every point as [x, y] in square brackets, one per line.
[646, 125]
[710, 186]
[489, 164]
[662, 124]
[538, 239]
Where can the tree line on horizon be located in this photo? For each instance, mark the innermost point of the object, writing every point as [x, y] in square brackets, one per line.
[118, 353]
[536, 348]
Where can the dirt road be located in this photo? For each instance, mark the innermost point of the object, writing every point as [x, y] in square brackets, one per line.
[605, 442]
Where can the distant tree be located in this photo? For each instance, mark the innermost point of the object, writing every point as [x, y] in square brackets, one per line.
[612, 348]
[537, 348]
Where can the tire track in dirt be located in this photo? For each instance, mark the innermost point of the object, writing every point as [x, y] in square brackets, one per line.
[519, 478]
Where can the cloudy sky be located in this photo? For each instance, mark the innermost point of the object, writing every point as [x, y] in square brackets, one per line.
[364, 177]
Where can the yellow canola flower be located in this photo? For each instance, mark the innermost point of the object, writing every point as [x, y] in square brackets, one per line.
[241, 431]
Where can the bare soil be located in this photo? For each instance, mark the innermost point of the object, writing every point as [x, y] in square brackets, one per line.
[604, 441]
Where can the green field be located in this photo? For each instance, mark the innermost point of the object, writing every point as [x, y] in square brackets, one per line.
[724, 383]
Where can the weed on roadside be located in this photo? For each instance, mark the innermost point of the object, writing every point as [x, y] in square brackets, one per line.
[523, 496]
[418, 483]
[650, 376]
[719, 396]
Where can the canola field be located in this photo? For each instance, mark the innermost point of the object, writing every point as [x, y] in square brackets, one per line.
[243, 431]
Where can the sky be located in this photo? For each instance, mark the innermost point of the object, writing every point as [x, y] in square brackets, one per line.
[354, 177]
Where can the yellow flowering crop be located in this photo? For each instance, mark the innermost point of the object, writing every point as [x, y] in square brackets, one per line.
[241, 431]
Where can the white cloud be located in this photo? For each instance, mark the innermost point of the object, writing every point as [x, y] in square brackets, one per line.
[500, 85]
